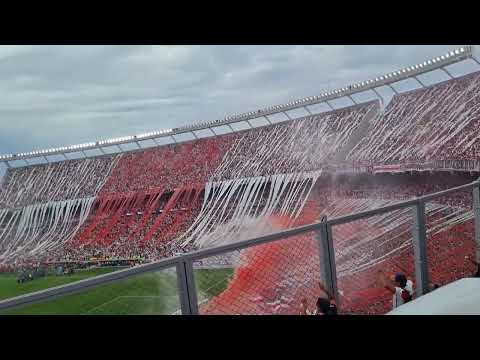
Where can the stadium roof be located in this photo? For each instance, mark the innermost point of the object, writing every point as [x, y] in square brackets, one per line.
[412, 71]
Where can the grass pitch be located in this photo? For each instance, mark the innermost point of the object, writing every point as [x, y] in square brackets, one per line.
[152, 293]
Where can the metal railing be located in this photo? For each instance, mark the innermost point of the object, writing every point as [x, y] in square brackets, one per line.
[187, 288]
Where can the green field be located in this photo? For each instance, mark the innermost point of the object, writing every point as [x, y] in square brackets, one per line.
[152, 293]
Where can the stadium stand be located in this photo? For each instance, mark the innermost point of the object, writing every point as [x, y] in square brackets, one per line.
[152, 204]
[439, 122]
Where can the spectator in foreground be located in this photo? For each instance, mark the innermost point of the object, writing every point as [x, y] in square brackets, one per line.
[324, 305]
[477, 273]
[399, 286]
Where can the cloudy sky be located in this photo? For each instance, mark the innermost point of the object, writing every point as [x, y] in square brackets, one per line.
[60, 95]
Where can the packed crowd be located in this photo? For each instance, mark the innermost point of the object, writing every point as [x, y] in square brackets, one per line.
[388, 238]
[399, 187]
[303, 145]
[167, 167]
[439, 122]
[65, 180]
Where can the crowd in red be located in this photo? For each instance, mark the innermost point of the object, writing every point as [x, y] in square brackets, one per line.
[167, 167]
[447, 246]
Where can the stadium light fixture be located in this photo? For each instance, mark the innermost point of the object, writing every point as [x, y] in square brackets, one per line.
[340, 91]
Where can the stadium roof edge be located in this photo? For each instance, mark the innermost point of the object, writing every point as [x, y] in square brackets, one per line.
[130, 151]
[438, 62]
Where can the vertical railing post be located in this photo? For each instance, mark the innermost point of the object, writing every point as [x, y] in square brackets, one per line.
[182, 289]
[419, 233]
[476, 214]
[186, 288]
[327, 257]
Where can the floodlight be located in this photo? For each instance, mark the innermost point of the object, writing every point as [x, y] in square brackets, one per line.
[457, 52]
[462, 50]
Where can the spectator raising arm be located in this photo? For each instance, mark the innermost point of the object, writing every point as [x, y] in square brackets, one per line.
[385, 283]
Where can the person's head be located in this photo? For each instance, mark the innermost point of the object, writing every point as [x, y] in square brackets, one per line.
[323, 305]
[400, 280]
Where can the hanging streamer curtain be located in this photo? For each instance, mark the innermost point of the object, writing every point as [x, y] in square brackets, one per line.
[43, 207]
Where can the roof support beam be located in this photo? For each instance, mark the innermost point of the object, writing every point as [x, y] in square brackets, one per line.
[330, 106]
[351, 98]
[419, 81]
[136, 142]
[8, 164]
[308, 110]
[230, 127]
[119, 147]
[84, 154]
[380, 96]
[194, 135]
[65, 156]
[214, 134]
[286, 114]
[155, 141]
[393, 89]
[174, 140]
[447, 72]
[249, 124]
[101, 150]
[268, 120]
[46, 159]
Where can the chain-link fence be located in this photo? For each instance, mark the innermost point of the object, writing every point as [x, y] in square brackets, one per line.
[427, 238]
[366, 247]
[267, 279]
[451, 246]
